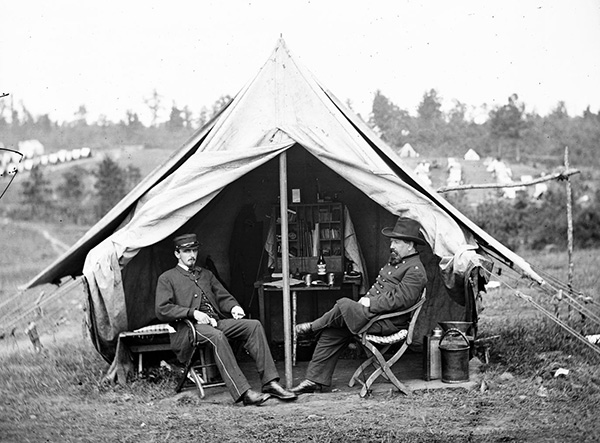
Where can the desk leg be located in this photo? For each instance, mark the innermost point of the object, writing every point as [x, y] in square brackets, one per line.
[355, 292]
[261, 313]
[294, 337]
[140, 363]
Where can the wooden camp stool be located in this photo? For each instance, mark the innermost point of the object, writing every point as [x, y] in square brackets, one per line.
[199, 369]
[376, 346]
[151, 338]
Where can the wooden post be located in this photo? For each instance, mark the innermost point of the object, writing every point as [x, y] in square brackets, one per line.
[569, 228]
[285, 269]
[561, 175]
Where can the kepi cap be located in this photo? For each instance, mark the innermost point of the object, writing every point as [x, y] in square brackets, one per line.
[405, 229]
[186, 241]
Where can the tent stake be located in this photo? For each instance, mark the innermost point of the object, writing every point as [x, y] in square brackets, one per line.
[285, 269]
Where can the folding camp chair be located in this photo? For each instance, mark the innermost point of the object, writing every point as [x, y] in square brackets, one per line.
[378, 345]
[200, 367]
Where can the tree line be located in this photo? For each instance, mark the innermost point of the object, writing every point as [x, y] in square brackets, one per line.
[508, 132]
[17, 123]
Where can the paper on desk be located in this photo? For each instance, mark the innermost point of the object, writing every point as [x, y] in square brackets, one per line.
[279, 283]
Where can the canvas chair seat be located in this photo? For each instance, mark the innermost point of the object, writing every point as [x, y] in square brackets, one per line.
[376, 346]
[388, 339]
[200, 368]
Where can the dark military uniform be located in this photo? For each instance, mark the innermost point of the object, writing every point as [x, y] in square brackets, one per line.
[397, 287]
[179, 293]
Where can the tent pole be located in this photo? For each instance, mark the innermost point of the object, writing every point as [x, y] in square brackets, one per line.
[285, 268]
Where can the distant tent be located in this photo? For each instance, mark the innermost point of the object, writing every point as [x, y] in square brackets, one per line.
[407, 151]
[471, 155]
[233, 163]
[31, 148]
[422, 172]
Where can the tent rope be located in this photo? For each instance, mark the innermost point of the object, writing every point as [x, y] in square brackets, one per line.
[551, 316]
[557, 289]
[59, 291]
[565, 287]
[574, 298]
[559, 322]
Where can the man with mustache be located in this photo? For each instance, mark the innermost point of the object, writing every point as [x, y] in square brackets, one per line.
[399, 286]
[190, 292]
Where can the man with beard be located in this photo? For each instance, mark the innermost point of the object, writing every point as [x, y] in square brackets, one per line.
[398, 286]
[190, 292]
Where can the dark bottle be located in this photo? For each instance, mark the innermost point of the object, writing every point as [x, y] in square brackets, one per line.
[321, 265]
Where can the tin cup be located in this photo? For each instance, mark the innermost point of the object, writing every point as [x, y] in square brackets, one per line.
[307, 279]
[330, 279]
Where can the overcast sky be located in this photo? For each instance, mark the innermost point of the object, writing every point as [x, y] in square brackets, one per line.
[110, 55]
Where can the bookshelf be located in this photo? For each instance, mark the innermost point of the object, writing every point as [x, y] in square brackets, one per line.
[313, 226]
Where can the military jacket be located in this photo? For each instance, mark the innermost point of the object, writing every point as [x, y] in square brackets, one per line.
[179, 293]
[397, 287]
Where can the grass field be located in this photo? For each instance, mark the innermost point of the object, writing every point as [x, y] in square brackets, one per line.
[59, 394]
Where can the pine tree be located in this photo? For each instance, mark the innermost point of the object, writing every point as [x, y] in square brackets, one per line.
[110, 185]
[37, 193]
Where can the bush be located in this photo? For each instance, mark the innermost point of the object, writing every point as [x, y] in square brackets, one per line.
[534, 224]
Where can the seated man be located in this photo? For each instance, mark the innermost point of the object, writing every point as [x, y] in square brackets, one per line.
[399, 286]
[189, 291]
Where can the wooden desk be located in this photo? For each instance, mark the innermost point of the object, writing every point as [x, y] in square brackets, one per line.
[295, 291]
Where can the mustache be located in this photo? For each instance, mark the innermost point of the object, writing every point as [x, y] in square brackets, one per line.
[394, 257]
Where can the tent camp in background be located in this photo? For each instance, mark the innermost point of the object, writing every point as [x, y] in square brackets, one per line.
[222, 185]
[422, 171]
[471, 155]
[407, 151]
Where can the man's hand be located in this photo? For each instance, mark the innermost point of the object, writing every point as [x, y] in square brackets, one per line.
[204, 319]
[237, 312]
[365, 301]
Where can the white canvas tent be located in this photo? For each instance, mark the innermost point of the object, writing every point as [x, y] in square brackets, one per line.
[282, 115]
[471, 155]
[407, 151]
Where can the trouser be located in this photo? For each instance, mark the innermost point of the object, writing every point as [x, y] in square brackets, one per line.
[251, 332]
[334, 337]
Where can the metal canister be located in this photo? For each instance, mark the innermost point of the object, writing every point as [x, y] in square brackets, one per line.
[330, 279]
[455, 357]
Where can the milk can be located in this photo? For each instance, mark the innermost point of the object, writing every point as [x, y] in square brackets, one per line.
[455, 356]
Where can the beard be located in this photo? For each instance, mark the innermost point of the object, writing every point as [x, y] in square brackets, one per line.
[394, 257]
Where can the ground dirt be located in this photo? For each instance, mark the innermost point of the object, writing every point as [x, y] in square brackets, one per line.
[493, 407]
